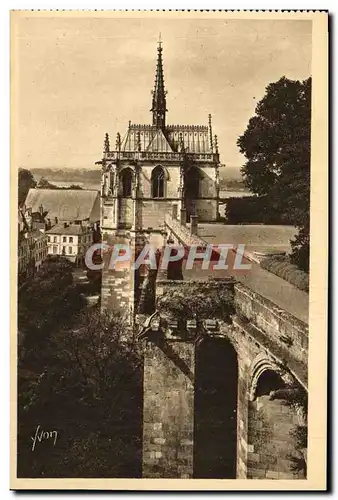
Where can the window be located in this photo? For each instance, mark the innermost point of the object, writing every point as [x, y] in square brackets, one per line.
[63, 250]
[70, 250]
[49, 239]
[54, 239]
[64, 239]
[70, 239]
[55, 249]
[157, 182]
[126, 178]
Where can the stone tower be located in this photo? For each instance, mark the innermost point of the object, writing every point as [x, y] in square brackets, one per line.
[156, 165]
[153, 167]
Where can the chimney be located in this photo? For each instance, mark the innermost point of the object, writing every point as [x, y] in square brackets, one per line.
[65, 224]
[41, 209]
[193, 224]
[56, 220]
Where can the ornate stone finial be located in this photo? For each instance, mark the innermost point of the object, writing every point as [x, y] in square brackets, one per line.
[118, 141]
[129, 124]
[106, 146]
[216, 144]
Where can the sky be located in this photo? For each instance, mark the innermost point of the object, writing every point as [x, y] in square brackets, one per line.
[79, 78]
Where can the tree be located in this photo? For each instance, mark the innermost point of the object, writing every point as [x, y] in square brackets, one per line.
[90, 391]
[47, 302]
[26, 181]
[45, 184]
[276, 145]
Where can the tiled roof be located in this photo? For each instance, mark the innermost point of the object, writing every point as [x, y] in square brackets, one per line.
[66, 204]
[72, 229]
[36, 233]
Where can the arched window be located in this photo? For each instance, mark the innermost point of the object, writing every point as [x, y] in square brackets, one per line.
[126, 180]
[157, 182]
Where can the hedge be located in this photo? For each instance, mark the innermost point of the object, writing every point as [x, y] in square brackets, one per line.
[284, 269]
[252, 210]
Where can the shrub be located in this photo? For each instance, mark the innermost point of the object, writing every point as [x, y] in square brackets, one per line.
[253, 210]
[283, 268]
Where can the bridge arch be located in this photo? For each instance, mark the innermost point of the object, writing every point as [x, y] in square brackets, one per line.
[261, 364]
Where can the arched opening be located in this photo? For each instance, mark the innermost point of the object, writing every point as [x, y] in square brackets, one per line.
[215, 416]
[267, 382]
[157, 182]
[126, 181]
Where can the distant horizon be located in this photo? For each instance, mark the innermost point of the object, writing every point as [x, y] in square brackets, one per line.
[80, 78]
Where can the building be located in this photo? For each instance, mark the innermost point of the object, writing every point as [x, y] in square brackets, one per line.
[32, 242]
[71, 240]
[65, 205]
[32, 251]
[156, 165]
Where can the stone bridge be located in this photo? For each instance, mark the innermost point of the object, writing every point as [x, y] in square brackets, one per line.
[220, 388]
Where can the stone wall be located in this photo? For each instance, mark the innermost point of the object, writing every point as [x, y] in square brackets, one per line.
[271, 447]
[171, 184]
[181, 233]
[154, 212]
[276, 323]
[206, 210]
[168, 412]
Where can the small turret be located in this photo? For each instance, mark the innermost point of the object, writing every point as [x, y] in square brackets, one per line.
[106, 146]
[118, 141]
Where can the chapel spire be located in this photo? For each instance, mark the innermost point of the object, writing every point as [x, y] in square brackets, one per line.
[159, 107]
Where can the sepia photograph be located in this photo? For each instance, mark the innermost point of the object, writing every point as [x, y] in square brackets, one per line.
[169, 191]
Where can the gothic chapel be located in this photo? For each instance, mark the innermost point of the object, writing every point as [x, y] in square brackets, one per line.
[156, 166]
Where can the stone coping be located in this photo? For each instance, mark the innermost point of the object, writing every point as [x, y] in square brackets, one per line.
[277, 311]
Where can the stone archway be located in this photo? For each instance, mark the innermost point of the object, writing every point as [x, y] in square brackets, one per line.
[215, 415]
[272, 451]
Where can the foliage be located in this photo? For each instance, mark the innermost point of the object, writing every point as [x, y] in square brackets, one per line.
[232, 184]
[46, 302]
[45, 184]
[283, 268]
[300, 245]
[89, 391]
[298, 401]
[276, 145]
[26, 181]
[252, 210]
[197, 302]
